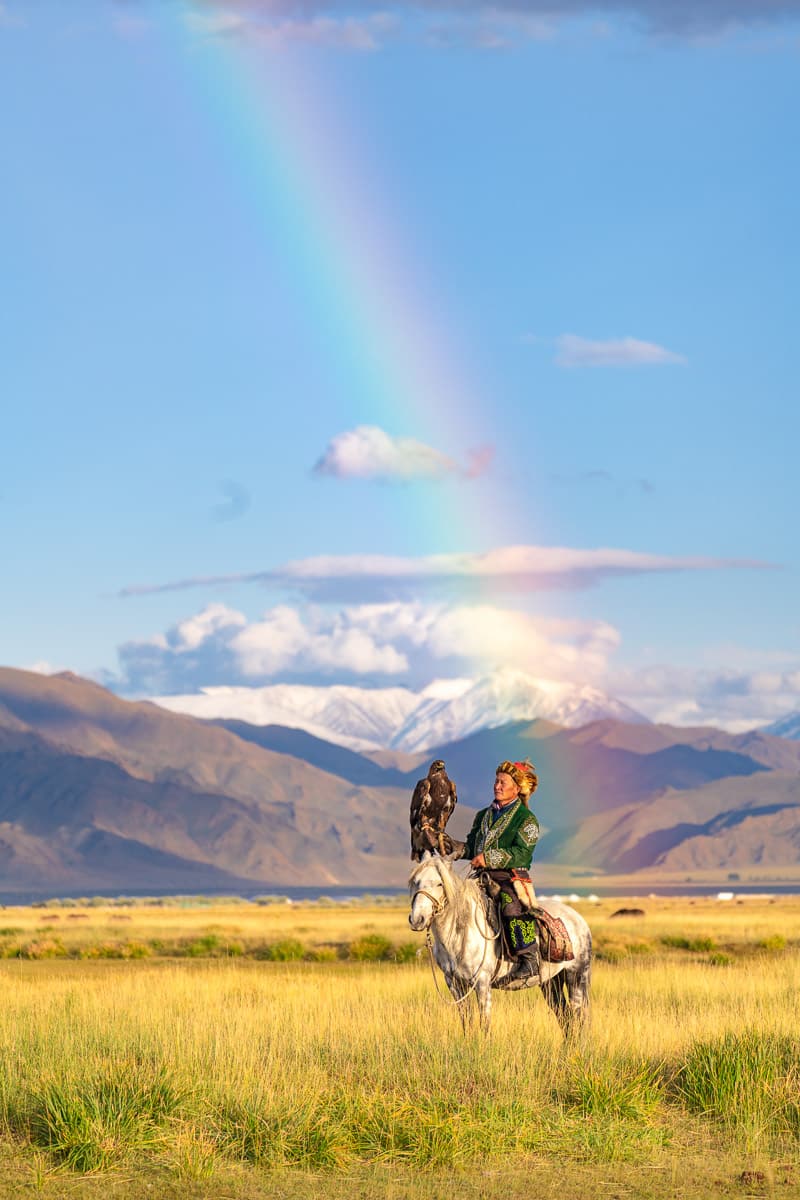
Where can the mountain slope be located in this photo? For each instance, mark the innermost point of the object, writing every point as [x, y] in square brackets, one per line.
[336, 760]
[97, 765]
[732, 822]
[580, 775]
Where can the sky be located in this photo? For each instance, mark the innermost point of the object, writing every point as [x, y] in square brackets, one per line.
[383, 343]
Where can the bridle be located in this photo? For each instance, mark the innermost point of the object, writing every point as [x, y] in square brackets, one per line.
[439, 904]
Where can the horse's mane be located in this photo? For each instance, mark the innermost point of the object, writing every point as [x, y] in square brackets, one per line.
[461, 894]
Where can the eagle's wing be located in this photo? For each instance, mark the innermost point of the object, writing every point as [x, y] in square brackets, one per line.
[418, 799]
[450, 801]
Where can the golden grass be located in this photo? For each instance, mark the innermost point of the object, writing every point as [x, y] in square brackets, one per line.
[743, 923]
[238, 1077]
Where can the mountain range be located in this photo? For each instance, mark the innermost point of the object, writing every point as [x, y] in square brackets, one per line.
[99, 793]
[400, 719]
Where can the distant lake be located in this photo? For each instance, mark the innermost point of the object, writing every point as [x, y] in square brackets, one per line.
[342, 894]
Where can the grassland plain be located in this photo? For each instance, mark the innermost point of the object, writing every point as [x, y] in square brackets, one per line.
[231, 1050]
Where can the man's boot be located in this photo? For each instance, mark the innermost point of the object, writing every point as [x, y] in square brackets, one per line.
[525, 971]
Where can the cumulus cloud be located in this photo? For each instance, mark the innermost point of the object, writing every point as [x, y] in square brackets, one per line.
[512, 568]
[408, 643]
[369, 452]
[574, 351]
[730, 699]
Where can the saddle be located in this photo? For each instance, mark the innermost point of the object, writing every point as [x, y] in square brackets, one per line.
[555, 944]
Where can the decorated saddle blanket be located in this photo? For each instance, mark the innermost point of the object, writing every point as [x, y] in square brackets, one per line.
[555, 944]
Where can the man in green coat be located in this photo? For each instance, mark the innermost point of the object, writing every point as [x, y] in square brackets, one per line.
[501, 842]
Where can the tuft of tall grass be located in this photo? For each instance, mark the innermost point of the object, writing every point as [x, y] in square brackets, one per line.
[750, 1081]
[612, 1086]
[99, 1121]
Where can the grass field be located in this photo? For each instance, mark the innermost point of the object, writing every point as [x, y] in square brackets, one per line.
[233, 1050]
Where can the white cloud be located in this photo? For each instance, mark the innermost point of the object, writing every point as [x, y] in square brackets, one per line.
[345, 33]
[417, 644]
[285, 640]
[574, 351]
[369, 452]
[729, 699]
[448, 21]
[491, 28]
[192, 632]
[512, 568]
[215, 22]
[412, 643]
[278, 26]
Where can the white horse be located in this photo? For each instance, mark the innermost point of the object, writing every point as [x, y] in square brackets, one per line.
[466, 945]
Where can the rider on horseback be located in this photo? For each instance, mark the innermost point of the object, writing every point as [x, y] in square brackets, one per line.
[501, 843]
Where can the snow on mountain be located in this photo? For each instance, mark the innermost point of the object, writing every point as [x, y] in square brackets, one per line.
[788, 727]
[356, 717]
[499, 699]
[397, 718]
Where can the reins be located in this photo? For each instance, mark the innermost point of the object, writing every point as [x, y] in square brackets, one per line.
[438, 907]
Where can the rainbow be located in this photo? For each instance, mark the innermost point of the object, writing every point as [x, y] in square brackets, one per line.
[299, 162]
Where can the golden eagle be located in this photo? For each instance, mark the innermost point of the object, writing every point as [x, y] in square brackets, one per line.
[432, 803]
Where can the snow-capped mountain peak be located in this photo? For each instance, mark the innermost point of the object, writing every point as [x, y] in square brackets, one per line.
[498, 699]
[788, 726]
[398, 718]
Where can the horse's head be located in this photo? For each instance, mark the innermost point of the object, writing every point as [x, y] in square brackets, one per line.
[427, 891]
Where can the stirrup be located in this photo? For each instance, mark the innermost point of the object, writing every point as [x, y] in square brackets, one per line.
[524, 973]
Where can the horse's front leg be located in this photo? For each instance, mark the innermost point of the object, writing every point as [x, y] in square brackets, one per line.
[483, 997]
[458, 992]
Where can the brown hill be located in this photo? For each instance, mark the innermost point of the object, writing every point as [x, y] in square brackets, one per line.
[77, 761]
[593, 769]
[98, 792]
[732, 822]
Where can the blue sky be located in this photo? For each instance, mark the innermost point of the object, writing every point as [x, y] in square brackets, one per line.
[508, 279]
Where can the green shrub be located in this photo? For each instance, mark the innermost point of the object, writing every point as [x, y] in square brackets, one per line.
[324, 954]
[698, 944]
[288, 950]
[406, 952]
[137, 950]
[202, 946]
[46, 948]
[372, 947]
[775, 941]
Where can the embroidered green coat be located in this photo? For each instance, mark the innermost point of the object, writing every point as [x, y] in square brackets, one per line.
[506, 844]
